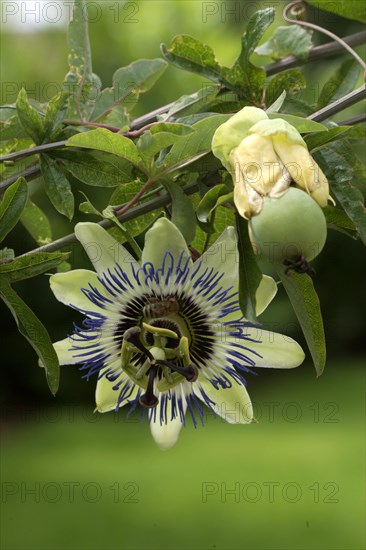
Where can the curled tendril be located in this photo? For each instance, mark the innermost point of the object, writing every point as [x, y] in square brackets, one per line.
[297, 10]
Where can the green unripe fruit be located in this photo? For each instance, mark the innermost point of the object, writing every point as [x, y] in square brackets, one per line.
[289, 227]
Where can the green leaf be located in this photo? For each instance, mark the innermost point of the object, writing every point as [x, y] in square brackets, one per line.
[31, 121]
[12, 205]
[123, 194]
[128, 83]
[302, 125]
[289, 40]
[248, 79]
[297, 107]
[55, 114]
[210, 201]
[340, 83]
[159, 137]
[344, 8]
[305, 301]
[357, 134]
[277, 104]
[80, 82]
[26, 267]
[189, 54]
[183, 214]
[340, 176]
[33, 330]
[338, 219]
[88, 208]
[36, 223]
[291, 82]
[193, 145]
[12, 128]
[92, 171]
[57, 186]
[318, 139]
[257, 25]
[223, 218]
[107, 141]
[188, 105]
[250, 275]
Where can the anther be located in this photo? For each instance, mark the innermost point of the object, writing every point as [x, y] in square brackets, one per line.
[148, 399]
[132, 336]
[190, 372]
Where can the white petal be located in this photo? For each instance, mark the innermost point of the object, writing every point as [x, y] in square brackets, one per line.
[223, 257]
[166, 434]
[266, 291]
[106, 397]
[103, 250]
[233, 404]
[163, 237]
[67, 288]
[275, 350]
[65, 355]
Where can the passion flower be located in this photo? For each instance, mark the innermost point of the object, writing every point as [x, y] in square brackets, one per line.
[167, 333]
[288, 228]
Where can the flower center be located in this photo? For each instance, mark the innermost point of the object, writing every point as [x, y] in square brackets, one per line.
[171, 343]
[160, 366]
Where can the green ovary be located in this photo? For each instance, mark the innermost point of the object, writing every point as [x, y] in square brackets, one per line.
[289, 227]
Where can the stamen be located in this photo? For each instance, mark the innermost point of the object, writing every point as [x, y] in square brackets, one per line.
[190, 372]
[148, 399]
[132, 335]
[143, 369]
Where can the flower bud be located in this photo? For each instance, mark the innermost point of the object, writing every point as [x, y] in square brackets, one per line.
[231, 133]
[265, 156]
[293, 153]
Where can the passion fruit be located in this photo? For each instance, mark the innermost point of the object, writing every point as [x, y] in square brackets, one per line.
[289, 227]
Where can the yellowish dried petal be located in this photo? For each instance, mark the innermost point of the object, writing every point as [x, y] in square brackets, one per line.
[229, 135]
[303, 169]
[258, 163]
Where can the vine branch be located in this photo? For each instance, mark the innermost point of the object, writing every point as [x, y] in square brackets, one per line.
[350, 99]
[29, 174]
[127, 213]
[339, 104]
[354, 120]
[145, 121]
[33, 150]
[139, 210]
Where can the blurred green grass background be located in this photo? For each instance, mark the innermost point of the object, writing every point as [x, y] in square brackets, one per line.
[211, 491]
